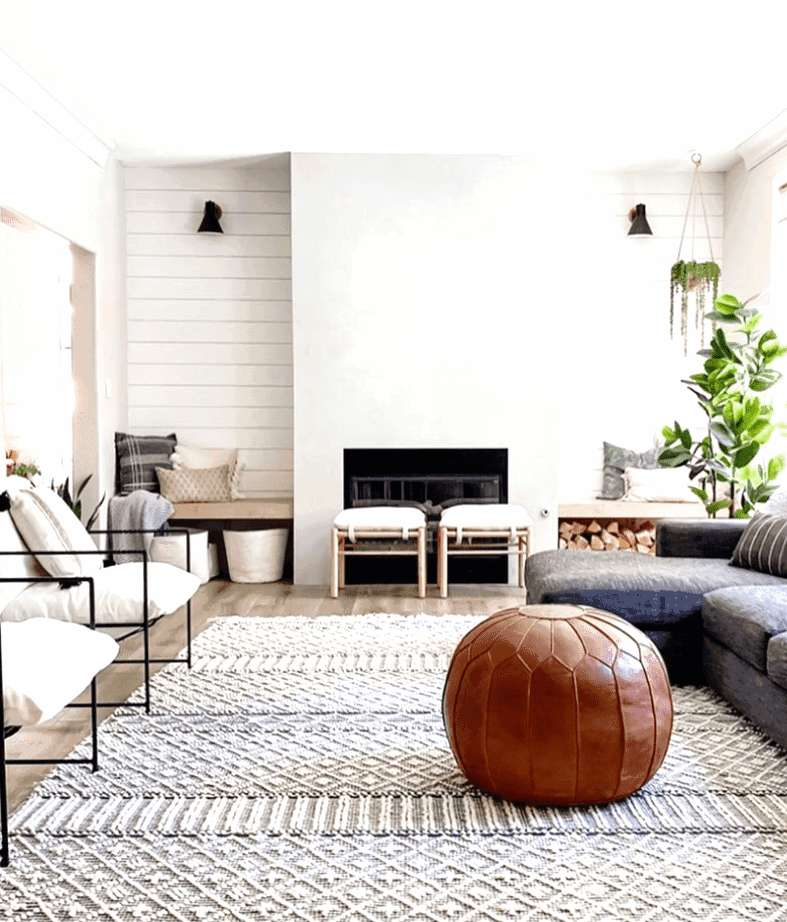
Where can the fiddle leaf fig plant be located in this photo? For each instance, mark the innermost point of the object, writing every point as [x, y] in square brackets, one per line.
[737, 369]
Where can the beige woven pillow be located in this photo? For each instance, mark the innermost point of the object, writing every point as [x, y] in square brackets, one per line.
[195, 484]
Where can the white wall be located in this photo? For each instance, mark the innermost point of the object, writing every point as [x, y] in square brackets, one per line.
[619, 375]
[55, 170]
[421, 318]
[480, 301]
[209, 316]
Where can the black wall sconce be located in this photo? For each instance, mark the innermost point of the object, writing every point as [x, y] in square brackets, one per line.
[210, 221]
[639, 223]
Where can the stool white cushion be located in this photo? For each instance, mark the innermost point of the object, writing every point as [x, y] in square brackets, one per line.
[46, 664]
[485, 517]
[380, 518]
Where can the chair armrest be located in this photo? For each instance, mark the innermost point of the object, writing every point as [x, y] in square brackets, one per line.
[698, 537]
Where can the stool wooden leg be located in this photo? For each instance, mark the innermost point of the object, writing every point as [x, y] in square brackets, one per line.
[442, 557]
[334, 563]
[421, 540]
[522, 556]
[342, 561]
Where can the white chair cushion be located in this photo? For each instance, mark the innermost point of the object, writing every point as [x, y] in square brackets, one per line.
[504, 517]
[47, 524]
[118, 596]
[380, 518]
[14, 565]
[46, 664]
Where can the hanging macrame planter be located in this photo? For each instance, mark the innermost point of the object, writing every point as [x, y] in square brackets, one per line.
[690, 278]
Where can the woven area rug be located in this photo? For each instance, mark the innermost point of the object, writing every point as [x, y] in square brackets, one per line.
[300, 771]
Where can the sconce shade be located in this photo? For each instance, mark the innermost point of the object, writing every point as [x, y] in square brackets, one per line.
[210, 221]
[639, 223]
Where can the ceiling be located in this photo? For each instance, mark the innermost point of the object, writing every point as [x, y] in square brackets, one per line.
[603, 85]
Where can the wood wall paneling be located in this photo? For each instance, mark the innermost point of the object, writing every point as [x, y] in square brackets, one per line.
[210, 317]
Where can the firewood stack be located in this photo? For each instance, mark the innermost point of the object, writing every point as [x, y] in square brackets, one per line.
[617, 535]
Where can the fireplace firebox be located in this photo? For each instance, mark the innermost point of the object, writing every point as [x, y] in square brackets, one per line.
[430, 477]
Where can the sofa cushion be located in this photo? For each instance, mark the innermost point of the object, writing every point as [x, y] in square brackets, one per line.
[745, 618]
[119, 597]
[46, 664]
[776, 660]
[547, 571]
[47, 524]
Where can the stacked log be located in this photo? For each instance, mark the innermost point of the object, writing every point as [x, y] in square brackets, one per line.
[632, 535]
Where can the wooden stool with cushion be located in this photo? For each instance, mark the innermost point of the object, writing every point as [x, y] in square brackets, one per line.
[503, 527]
[395, 530]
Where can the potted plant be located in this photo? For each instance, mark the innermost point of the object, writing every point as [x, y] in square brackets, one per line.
[697, 279]
[737, 369]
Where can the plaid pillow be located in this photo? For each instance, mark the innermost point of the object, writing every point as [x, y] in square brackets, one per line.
[137, 458]
[763, 545]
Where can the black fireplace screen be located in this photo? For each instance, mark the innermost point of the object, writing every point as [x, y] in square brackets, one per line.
[433, 478]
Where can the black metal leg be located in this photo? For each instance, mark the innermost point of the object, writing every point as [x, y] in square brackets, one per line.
[4, 848]
[94, 722]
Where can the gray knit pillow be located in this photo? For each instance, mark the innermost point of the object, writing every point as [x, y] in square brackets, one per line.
[616, 460]
[763, 545]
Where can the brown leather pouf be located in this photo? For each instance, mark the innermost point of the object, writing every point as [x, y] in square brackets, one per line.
[557, 704]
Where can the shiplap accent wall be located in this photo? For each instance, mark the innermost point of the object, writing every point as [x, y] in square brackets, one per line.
[210, 316]
[617, 373]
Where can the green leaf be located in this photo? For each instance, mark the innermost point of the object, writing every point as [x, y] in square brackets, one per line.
[718, 506]
[745, 455]
[668, 434]
[685, 438]
[722, 433]
[700, 494]
[776, 465]
[727, 304]
[673, 457]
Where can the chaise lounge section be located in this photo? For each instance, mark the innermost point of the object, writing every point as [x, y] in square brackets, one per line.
[715, 622]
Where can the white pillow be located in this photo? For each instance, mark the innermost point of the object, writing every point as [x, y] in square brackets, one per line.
[14, 565]
[46, 664]
[47, 524]
[662, 485]
[118, 597]
[189, 456]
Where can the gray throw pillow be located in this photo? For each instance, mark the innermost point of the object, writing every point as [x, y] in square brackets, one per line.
[616, 460]
[763, 545]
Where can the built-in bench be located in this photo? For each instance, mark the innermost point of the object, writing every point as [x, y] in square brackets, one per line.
[625, 515]
[237, 515]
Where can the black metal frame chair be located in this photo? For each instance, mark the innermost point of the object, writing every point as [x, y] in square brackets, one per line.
[94, 704]
[5, 855]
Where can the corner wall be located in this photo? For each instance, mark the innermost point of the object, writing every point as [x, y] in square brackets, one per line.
[56, 171]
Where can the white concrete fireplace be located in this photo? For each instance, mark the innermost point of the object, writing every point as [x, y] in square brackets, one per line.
[421, 319]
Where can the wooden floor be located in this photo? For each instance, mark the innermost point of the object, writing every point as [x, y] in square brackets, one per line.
[218, 599]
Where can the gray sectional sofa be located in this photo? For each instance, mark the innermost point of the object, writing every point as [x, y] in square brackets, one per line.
[714, 622]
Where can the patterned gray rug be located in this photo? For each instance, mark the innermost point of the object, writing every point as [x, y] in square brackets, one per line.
[300, 772]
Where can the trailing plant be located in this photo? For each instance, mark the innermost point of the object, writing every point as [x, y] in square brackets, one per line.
[75, 504]
[736, 370]
[699, 279]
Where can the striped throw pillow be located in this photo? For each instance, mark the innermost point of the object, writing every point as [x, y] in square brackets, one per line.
[763, 545]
